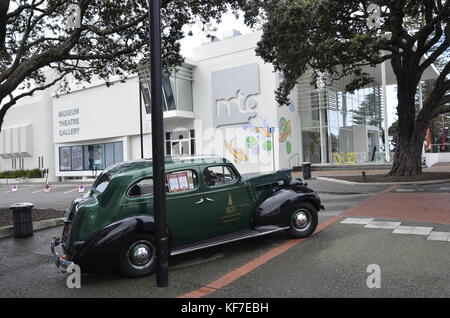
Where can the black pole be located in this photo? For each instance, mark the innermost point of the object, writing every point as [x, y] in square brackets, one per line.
[140, 120]
[159, 191]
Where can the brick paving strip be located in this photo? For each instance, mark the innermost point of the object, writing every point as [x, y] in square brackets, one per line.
[422, 207]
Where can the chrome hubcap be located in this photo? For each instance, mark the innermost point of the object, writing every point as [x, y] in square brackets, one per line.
[141, 255]
[300, 220]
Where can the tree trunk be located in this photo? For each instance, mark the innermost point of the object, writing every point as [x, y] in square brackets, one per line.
[411, 129]
[407, 158]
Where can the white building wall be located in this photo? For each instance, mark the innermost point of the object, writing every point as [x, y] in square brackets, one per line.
[288, 133]
[96, 113]
[28, 132]
[103, 112]
[248, 145]
[434, 158]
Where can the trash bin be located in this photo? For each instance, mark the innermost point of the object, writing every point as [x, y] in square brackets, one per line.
[23, 221]
[306, 170]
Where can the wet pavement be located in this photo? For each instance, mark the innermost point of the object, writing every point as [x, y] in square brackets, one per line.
[333, 262]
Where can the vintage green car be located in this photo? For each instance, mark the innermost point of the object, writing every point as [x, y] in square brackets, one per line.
[208, 203]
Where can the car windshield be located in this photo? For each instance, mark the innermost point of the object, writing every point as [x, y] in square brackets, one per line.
[101, 183]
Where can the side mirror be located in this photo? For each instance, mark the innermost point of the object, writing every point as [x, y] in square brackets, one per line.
[300, 181]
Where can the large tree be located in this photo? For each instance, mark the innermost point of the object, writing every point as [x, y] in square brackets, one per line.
[334, 37]
[111, 40]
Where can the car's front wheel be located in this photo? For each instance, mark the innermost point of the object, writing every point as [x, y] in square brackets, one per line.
[138, 256]
[303, 221]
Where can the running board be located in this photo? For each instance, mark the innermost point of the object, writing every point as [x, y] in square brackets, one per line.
[228, 238]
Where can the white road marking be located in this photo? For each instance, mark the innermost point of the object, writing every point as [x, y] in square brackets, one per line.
[401, 229]
[76, 189]
[422, 230]
[414, 230]
[356, 221]
[20, 189]
[439, 236]
[382, 225]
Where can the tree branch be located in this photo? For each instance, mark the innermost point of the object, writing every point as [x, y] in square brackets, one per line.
[120, 28]
[14, 100]
[429, 28]
[22, 8]
[4, 6]
[439, 50]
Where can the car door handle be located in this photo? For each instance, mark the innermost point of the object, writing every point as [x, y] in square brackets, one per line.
[209, 199]
[198, 202]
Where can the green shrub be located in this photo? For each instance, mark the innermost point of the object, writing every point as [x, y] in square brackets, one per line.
[13, 174]
[35, 173]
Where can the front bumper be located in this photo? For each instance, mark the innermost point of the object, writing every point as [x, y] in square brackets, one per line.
[59, 261]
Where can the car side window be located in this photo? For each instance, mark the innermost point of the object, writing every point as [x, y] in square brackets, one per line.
[142, 188]
[219, 175]
[181, 181]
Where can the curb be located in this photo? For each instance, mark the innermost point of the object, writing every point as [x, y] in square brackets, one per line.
[383, 183]
[7, 231]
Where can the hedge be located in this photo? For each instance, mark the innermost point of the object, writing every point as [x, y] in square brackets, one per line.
[13, 174]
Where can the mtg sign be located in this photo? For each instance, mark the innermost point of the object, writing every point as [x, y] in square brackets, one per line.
[69, 122]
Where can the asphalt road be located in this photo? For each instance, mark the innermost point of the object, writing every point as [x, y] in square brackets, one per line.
[61, 195]
[58, 198]
[331, 263]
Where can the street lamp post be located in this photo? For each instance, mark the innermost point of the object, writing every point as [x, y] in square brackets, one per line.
[159, 191]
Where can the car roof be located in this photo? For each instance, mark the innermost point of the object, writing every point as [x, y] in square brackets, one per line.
[171, 163]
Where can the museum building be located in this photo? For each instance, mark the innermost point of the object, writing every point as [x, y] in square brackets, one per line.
[221, 101]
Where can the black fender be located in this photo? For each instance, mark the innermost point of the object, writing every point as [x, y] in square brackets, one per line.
[103, 247]
[277, 209]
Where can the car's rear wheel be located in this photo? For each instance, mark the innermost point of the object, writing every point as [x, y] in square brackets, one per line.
[303, 221]
[138, 256]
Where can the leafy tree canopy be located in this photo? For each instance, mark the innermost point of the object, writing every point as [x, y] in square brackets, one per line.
[338, 38]
[112, 39]
[334, 37]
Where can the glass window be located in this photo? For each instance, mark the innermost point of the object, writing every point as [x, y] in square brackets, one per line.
[77, 158]
[64, 159]
[94, 157]
[118, 152]
[219, 175]
[169, 100]
[109, 154]
[179, 143]
[334, 129]
[142, 188]
[309, 118]
[181, 181]
[311, 145]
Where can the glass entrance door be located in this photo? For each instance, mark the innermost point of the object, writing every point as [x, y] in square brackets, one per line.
[180, 143]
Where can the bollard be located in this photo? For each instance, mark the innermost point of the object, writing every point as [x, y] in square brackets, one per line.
[306, 170]
[23, 219]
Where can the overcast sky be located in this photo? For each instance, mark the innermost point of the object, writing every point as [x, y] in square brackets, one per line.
[230, 22]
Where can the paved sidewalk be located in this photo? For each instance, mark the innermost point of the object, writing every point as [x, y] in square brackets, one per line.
[439, 167]
[424, 206]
